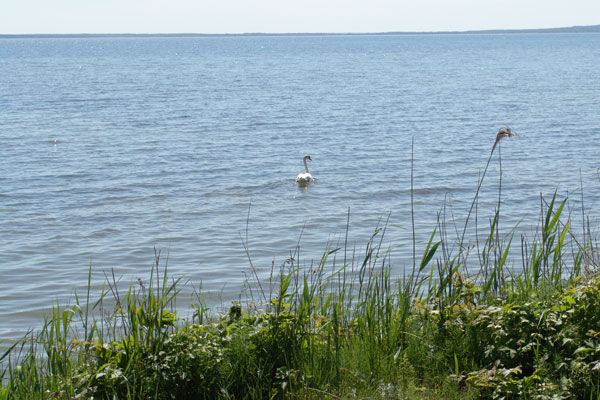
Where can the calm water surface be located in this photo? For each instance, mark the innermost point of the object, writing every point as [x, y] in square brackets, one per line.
[170, 143]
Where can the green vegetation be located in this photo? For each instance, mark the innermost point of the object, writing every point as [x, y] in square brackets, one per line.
[350, 333]
[460, 324]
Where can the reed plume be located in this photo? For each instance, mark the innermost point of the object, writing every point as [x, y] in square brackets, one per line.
[504, 131]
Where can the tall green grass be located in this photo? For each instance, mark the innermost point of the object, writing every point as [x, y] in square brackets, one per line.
[346, 329]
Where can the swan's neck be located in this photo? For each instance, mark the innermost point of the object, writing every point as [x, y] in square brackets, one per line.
[306, 166]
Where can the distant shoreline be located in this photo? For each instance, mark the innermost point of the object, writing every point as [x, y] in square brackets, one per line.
[572, 29]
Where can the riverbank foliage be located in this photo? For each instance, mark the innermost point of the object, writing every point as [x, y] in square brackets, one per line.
[341, 330]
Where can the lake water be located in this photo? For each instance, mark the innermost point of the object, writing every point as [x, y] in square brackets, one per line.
[179, 143]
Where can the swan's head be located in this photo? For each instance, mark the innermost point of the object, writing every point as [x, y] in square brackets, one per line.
[307, 157]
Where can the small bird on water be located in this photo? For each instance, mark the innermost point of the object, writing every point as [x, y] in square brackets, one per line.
[304, 178]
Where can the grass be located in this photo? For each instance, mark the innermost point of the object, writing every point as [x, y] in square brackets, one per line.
[459, 324]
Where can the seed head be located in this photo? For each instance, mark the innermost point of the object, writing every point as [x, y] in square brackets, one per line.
[502, 133]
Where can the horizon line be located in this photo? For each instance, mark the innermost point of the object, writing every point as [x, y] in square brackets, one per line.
[569, 29]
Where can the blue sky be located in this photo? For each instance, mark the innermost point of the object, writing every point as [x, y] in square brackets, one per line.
[238, 16]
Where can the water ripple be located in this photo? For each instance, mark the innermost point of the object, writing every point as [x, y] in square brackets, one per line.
[182, 154]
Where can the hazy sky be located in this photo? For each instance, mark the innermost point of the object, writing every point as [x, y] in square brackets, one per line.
[237, 16]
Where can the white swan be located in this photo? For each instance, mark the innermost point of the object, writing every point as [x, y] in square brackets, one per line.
[304, 178]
